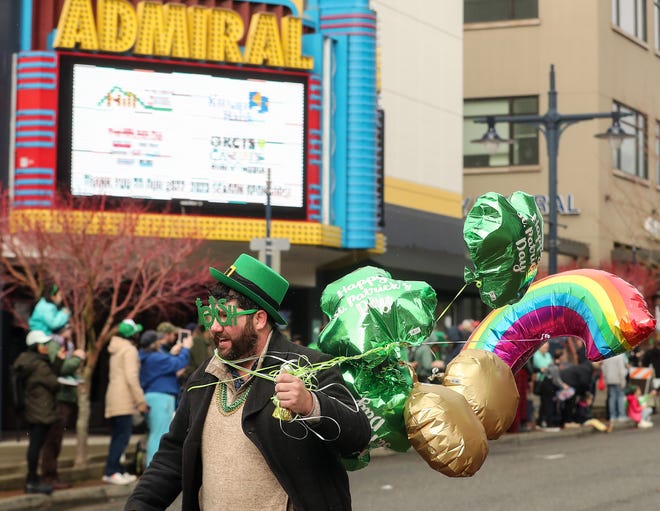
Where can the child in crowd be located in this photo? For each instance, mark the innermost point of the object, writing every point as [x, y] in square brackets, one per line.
[638, 411]
[584, 415]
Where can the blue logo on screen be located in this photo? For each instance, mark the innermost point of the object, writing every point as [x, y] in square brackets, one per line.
[259, 102]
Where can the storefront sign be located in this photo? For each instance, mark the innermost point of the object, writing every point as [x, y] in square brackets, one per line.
[565, 204]
[184, 32]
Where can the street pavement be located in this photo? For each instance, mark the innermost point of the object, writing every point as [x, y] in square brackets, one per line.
[90, 491]
[596, 472]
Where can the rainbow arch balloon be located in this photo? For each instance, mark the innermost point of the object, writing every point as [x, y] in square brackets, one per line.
[606, 312]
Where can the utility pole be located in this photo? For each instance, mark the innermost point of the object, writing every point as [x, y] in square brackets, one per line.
[269, 247]
[552, 124]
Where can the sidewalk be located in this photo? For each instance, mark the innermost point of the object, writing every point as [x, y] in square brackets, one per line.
[89, 489]
[87, 485]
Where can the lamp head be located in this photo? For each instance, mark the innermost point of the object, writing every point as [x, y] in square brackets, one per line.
[615, 134]
[491, 139]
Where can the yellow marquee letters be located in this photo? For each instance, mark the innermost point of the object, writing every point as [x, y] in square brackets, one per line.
[180, 31]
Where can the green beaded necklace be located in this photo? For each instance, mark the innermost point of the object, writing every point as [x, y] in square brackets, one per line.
[226, 409]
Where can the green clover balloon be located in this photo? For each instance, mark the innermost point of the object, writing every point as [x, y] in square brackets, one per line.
[374, 318]
[504, 237]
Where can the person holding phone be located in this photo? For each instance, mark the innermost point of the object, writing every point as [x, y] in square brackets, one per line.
[158, 378]
[170, 334]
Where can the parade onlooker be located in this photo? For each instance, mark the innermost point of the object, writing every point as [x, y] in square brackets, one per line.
[67, 398]
[541, 359]
[583, 409]
[523, 377]
[225, 449]
[615, 373]
[638, 412]
[550, 415]
[426, 357]
[581, 378]
[584, 413]
[170, 334]
[41, 385]
[158, 378]
[651, 358]
[635, 357]
[123, 398]
[458, 335]
[49, 314]
[202, 349]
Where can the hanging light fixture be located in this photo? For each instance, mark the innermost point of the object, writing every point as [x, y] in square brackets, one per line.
[615, 134]
[491, 139]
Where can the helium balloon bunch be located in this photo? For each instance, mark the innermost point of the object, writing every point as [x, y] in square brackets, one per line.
[373, 319]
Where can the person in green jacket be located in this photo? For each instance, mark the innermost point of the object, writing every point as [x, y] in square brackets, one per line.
[426, 357]
[67, 404]
[41, 385]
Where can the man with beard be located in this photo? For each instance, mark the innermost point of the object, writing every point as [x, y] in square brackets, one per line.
[232, 443]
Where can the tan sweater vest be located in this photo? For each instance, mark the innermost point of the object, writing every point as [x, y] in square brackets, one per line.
[235, 474]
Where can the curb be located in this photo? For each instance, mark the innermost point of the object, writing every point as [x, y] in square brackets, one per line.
[65, 499]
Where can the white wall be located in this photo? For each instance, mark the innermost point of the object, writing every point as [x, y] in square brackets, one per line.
[421, 44]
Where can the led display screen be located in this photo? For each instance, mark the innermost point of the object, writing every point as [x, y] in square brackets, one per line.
[199, 136]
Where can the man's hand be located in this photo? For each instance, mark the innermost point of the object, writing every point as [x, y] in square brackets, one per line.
[293, 395]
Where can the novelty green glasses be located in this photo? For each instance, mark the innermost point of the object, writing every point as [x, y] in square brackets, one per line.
[218, 310]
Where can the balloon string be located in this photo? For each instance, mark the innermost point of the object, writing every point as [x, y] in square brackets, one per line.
[308, 371]
[514, 341]
[302, 421]
[450, 303]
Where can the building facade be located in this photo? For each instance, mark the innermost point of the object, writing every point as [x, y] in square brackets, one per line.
[606, 57]
[350, 109]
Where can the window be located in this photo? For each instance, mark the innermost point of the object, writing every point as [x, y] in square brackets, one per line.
[657, 152]
[497, 10]
[656, 16]
[630, 16]
[524, 150]
[632, 158]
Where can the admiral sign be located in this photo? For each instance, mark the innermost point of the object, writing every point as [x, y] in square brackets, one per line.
[185, 32]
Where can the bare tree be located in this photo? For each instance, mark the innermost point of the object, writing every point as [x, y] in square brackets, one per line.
[644, 277]
[111, 265]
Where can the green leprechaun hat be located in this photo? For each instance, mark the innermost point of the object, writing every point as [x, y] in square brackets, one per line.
[258, 282]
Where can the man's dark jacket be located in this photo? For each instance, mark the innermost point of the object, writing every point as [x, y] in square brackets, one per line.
[308, 469]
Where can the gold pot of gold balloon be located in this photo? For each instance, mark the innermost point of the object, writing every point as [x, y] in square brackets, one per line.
[449, 425]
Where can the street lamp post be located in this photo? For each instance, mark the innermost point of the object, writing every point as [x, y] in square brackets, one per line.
[268, 247]
[552, 124]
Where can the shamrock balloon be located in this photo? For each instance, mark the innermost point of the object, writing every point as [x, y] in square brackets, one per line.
[504, 238]
[373, 319]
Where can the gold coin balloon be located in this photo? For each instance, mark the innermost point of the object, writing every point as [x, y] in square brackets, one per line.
[488, 385]
[444, 430]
